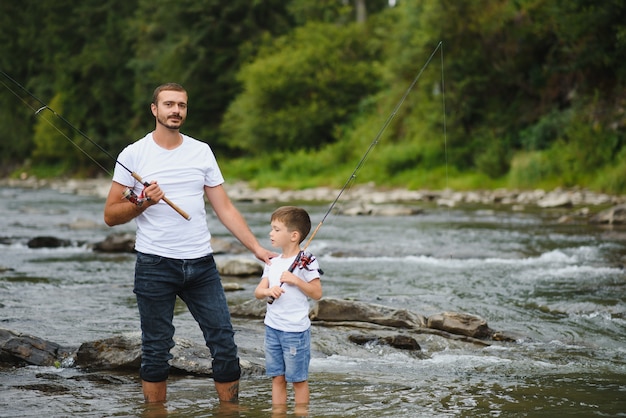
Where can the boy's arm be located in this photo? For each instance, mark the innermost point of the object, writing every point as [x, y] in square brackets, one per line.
[263, 290]
[312, 289]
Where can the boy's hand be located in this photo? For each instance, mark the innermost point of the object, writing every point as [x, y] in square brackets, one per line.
[289, 278]
[275, 292]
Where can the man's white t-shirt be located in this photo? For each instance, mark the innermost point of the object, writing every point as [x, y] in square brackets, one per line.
[182, 174]
[290, 312]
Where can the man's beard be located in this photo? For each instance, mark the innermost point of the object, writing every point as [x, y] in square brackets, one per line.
[174, 125]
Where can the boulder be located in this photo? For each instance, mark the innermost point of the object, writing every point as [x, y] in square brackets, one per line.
[361, 209]
[118, 352]
[614, 215]
[242, 267]
[555, 200]
[329, 309]
[124, 352]
[17, 348]
[400, 341]
[253, 308]
[117, 243]
[461, 324]
[48, 242]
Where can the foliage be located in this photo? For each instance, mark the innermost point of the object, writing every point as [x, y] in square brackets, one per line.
[521, 93]
[300, 87]
[200, 44]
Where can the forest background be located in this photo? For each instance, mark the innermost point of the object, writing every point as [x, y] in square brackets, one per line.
[519, 94]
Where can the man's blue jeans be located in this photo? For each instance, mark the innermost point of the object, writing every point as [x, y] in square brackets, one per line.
[158, 280]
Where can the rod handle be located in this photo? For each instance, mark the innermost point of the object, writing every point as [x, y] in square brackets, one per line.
[165, 199]
[293, 266]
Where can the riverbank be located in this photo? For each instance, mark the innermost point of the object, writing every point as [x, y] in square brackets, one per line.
[362, 194]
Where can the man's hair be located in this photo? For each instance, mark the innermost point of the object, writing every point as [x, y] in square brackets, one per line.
[294, 218]
[166, 86]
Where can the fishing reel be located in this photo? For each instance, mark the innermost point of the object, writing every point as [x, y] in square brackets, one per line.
[132, 197]
[306, 258]
[302, 262]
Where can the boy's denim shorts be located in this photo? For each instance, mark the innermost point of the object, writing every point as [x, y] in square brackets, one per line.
[288, 354]
[158, 281]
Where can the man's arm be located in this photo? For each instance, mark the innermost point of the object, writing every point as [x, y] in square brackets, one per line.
[118, 210]
[232, 219]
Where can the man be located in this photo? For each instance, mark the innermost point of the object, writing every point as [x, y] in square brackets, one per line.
[174, 255]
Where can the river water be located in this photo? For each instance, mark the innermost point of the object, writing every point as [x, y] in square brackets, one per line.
[560, 287]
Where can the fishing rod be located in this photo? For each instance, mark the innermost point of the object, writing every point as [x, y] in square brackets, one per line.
[304, 258]
[127, 194]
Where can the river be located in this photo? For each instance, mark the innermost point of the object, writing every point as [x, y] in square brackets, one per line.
[560, 287]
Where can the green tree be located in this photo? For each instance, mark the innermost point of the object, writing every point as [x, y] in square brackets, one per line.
[200, 44]
[301, 87]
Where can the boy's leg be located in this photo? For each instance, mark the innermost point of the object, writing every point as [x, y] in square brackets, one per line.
[297, 352]
[279, 390]
[301, 392]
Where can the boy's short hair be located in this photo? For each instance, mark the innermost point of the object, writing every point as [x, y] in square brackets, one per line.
[294, 218]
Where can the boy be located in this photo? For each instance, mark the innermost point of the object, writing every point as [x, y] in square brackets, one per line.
[287, 324]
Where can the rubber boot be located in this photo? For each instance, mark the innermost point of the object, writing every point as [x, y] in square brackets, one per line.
[227, 391]
[154, 391]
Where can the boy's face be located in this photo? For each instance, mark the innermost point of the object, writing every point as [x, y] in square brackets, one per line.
[280, 236]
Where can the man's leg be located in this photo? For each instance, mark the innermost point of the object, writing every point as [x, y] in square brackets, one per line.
[227, 391]
[154, 391]
[205, 298]
[156, 285]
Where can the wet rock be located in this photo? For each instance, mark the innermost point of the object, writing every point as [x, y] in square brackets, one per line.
[614, 215]
[341, 311]
[119, 352]
[116, 243]
[507, 336]
[226, 246]
[48, 242]
[461, 324]
[379, 210]
[243, 267]
[329, 309]
[253, 308]
[124, 352]
[232, 287]
[402, 342]
[17, 348]
[555, 200]
[81, 224]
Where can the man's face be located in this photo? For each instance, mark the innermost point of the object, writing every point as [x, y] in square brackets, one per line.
[171, 109]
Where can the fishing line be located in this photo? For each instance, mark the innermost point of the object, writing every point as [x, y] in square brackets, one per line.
[304, 257]
[377, 138]
[37, 113]
[44, 106]
[445, 125]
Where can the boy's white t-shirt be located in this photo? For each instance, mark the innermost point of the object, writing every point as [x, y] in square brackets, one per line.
[290, 312]
[182, 174]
